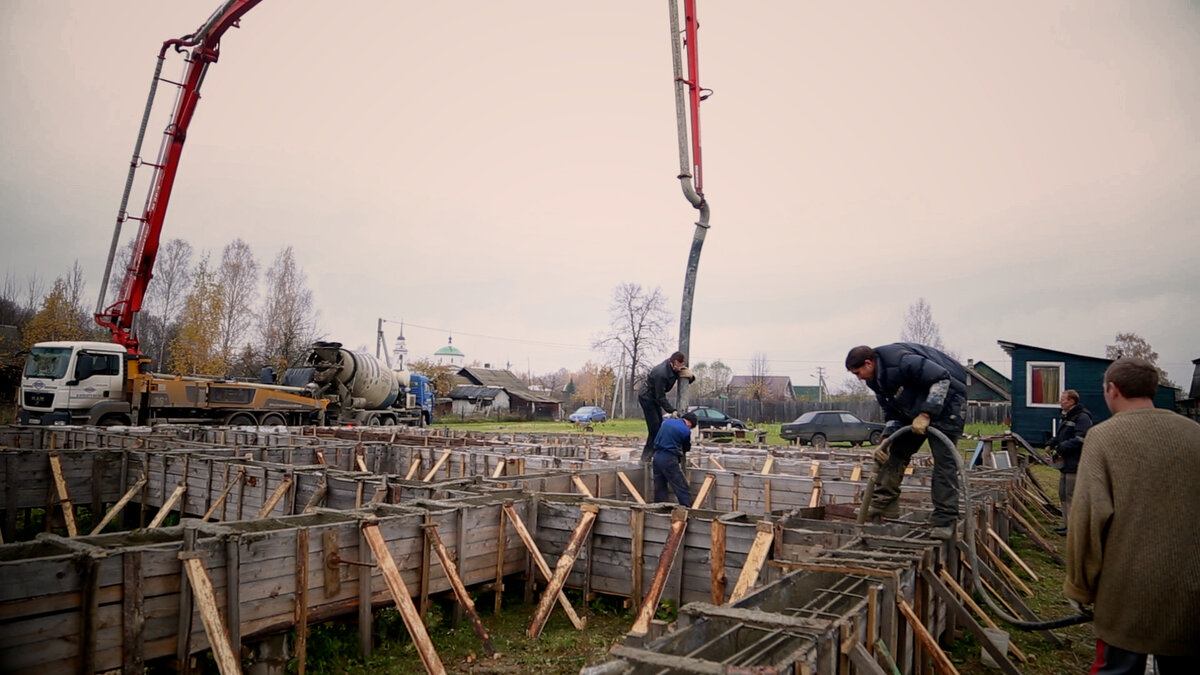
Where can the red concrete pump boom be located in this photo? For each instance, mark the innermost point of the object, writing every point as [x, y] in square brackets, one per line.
[205, 48]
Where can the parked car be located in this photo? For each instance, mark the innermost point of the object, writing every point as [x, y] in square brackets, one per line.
[588, 414]
[711, 417]
[819, 427]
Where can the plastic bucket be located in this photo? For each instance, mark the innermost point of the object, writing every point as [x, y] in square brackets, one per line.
[1000, 639]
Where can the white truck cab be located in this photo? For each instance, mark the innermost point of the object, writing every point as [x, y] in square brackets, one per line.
[74, 383]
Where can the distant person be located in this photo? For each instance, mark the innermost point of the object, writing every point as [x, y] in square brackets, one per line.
[1132, 546]
[653, 396]
[919, 386]
[1066, 446]
[673, 441]
[267, 375]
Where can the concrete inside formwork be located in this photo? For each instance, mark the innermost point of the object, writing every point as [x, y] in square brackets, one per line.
[255, 487]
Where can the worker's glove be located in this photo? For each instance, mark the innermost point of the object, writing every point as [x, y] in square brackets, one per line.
[1079, 608]
[881, 456]
[921, 424]
[686, 374]
[667, 416]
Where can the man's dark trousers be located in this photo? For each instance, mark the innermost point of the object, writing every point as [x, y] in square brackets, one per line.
[668, 473]
[943, 491]
[653, 415]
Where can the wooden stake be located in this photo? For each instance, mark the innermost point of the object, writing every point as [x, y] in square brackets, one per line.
[814, 499]
[301, 613]
[499, 468]
[64, 497]
[116, 508]
[241, 475]
[441, 460]
[948, 598]
[280, 491]
[413, 468]
[716, 562]
[214, 628]
[941, 662]
[500, 549]
[565, 562]
[583, 489]
[856, 474]
[705, 488]
[713, 459]
[1012, 554]
[637, 496]
[460, 591]
[641, 625]
[763, 539]
[1005, 571]
[166, 507]
[531, 546]
[768, 464]
[970, 602]
[408, 612]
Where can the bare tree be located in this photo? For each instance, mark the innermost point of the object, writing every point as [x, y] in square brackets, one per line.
[237, 281]
[288, 323]
[1132, 344]
[638, 323]
[853, 389]
[12, 312]
[760, 368]
[919, 326]
[595, 383]
[712, 379]
[165, 297]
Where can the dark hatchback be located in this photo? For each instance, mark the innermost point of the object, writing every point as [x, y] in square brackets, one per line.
[707, 418]
[819, 427]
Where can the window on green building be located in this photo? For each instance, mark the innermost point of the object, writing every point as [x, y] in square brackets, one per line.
[1044, 383]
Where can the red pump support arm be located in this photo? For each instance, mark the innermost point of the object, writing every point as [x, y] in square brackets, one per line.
[205, 49]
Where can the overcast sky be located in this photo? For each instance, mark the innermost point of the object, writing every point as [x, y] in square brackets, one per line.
[496, 169]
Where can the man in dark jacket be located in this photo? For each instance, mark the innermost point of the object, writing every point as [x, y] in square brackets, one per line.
[1067, 445]
[919, 386]
[653, 396]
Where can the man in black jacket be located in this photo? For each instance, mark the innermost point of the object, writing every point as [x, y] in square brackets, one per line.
[653, 397]
[919, 386]
[1067, 445]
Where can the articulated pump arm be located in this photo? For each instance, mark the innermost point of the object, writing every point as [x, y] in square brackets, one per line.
[205, 48]
[690, 175]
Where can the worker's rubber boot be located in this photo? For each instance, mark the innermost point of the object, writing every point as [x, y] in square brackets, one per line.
[944, 532]
[885, 503]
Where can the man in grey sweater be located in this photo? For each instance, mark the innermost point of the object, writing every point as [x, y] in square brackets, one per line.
[1132, 547]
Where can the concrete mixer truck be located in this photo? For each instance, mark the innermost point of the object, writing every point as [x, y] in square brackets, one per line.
[362, 390]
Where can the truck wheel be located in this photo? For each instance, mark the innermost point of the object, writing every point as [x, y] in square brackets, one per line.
[389, 422]
[374, 421]
[424, 421]
[241, 420]
[274, 420]
[112, 421]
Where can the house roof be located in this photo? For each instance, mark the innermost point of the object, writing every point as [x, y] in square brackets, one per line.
[1009, 347]
[991, 379]
[472, 391]
[778, 386]
[503, 379]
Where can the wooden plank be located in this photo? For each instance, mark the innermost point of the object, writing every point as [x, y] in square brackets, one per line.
[970, 602]
[540, 562]
[767, 465]
[214, 627]
[705, 488]
[965, 617]
[565, 562]
[413, 468]
[116, 508]
[400, 595]
[64, 497]
[579, 485]
[1012, 554]
[460, 591]
[641, 626]
[167, 506]
[637, 496]
[764, 537]
[133, 614]
[941, 662]
[301, 615]
[441, 460]
[717, 562]
[280, 491]
[1005, 571]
